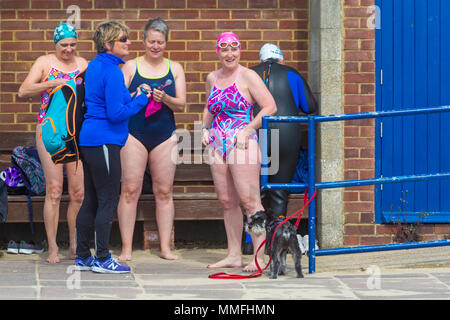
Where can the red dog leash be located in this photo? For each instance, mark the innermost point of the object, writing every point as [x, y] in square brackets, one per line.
[224, 275]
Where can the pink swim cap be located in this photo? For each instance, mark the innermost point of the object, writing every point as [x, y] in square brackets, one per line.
[227, 37]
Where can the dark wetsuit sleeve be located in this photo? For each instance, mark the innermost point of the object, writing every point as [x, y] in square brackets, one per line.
[303, 96]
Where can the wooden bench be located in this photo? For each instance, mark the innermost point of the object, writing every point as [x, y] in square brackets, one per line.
[194, 195]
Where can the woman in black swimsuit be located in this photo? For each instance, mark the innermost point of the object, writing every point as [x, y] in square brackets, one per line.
[293, 96]
[151, 141]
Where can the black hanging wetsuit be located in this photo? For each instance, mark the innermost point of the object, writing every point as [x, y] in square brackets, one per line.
[292, 94]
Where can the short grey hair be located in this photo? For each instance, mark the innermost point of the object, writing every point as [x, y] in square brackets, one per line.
[157, 24]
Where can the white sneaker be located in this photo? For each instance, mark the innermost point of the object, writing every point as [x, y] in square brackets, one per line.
[13, 247]
[30, 247]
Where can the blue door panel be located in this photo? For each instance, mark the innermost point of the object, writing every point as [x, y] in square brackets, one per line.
[387, 60]
[413, 54]
[420, 100]
[445, 97]
[434, 92]
[406, 191]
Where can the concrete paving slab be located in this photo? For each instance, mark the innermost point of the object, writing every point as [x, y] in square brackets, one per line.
[404, 274]
[17, 279]
[90, 283]
[16, 266]
[18, 293]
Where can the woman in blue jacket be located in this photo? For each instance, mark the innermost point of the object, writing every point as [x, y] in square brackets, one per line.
[103, 133]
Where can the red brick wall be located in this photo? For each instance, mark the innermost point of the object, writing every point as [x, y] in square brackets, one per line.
[359, 138]
[27, 32]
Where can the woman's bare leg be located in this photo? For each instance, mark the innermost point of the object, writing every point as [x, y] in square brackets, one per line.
[53, 185]
[75, 182]
[232, 212]
[245, 171]
[162, 170]
[133, 158]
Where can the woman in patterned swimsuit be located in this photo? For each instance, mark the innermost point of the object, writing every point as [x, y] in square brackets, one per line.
[230, 131]
[48, 72]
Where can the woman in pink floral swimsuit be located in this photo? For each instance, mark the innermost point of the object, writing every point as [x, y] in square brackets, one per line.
[48, 72]
[230, 131]
[232, 113]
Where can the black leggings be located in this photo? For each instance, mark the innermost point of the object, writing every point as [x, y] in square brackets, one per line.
[102, 174]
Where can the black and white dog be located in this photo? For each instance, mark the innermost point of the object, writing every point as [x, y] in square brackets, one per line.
[285, 239]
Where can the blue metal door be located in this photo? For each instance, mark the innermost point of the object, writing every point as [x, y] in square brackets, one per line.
[413, 71]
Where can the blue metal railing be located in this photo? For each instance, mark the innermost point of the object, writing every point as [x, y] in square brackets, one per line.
[312, 184]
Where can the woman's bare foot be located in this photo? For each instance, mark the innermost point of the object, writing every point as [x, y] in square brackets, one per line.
[53, 255]
[228, 262]
[124, 256]
[168, 255]
[72, 254]
[251, 267]
[126, 253]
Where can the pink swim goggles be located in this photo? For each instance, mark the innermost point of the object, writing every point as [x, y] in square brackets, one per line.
[228, 39]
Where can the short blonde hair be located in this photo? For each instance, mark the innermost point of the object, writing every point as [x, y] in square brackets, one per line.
[106, 32]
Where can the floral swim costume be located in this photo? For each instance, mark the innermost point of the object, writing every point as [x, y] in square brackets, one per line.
[232, 113]
[52, 74]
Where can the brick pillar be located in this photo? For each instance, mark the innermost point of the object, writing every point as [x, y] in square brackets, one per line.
[326, 84]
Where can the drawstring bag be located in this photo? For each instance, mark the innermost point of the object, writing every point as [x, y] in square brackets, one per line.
[26, 161]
